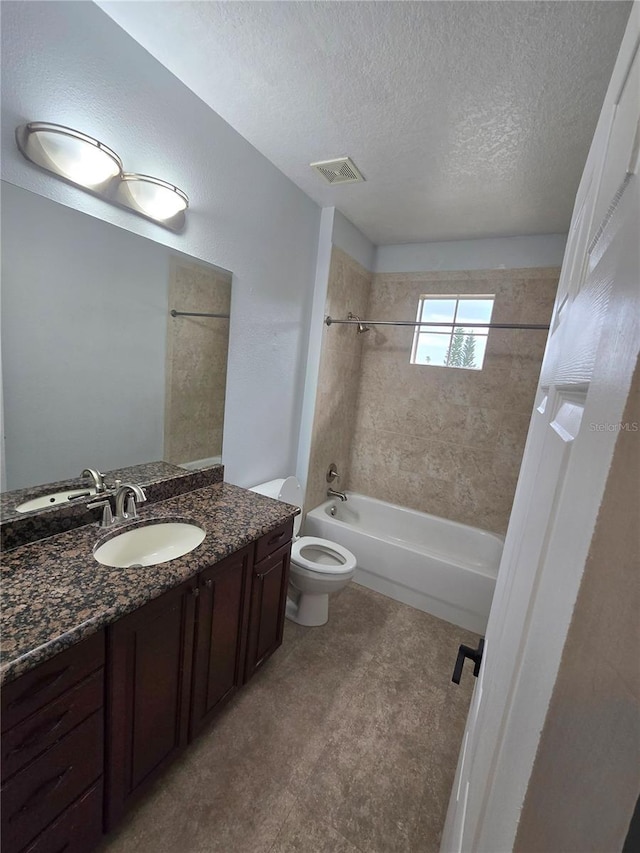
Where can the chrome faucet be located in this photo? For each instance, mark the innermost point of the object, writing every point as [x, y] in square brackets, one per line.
[333, 477]
[133, 495]
[333, 493]
[97, 477]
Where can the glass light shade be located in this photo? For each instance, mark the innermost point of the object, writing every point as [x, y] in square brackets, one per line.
[70, 154]
[154, 197]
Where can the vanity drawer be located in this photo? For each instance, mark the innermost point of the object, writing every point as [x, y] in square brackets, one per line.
[45, 788]
[41, 685]
[32, 736]
[77, 830]
[270, 542]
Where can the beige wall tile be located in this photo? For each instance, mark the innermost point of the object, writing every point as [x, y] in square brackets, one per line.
[442, 420]
[482, 427]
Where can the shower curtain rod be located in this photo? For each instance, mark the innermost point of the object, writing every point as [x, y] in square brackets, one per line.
[330, 322]
[175, 313]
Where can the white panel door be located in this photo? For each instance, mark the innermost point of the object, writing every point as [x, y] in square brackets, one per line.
[589, 361]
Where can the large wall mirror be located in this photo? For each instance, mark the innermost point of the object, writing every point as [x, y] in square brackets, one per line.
[96, 371]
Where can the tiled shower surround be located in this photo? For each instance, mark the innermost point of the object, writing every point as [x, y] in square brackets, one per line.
[447, 441]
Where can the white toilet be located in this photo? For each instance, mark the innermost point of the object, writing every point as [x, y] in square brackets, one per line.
[318, 566]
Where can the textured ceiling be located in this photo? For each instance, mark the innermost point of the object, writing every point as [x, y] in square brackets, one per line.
[468, 119]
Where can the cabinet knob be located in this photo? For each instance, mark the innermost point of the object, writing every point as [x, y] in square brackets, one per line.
[209, 583]
[195, 592]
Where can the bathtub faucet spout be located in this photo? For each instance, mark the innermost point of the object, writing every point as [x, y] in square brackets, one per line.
[332, 493]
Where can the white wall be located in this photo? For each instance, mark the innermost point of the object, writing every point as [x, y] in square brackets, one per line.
[545, 250]
[70, 63]
[352, 241]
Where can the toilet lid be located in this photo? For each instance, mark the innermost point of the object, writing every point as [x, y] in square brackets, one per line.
[322, 556]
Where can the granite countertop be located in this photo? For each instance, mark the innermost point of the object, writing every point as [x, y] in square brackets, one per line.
[54, 593]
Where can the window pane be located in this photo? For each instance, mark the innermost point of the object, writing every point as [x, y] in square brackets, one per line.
[474, 311]
[438, 310]
[481, 346]
[432, 349]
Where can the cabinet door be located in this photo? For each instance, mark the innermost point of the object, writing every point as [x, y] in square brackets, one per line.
[221, 630]
[269, 582]
[149, 678]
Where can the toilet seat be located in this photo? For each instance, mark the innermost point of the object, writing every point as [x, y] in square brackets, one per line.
[332, 549]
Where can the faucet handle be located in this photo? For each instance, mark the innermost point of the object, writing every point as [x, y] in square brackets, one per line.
[131, 511]
[332, 473]
[107, 515]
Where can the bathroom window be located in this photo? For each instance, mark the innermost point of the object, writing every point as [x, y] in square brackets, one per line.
[453, 345]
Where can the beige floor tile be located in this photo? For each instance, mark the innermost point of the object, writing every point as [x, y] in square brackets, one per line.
[306, 832]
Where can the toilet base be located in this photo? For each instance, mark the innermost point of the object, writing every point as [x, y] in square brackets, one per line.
[310, 609]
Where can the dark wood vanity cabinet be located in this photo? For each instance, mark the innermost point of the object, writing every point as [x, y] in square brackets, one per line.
[53, 753]
[148, 682]
[269, 582]
[221, 631]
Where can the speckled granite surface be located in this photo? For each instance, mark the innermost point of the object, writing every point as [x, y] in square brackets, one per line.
[160, 480]
[54, 593]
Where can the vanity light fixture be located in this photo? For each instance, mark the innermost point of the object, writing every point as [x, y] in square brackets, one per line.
[69, 154]
[87, 163]
[152, 196]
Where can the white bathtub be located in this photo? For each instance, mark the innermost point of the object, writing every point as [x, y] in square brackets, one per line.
[439, 566]
[197, 464]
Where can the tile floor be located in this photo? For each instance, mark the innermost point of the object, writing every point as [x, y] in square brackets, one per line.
[345, 742]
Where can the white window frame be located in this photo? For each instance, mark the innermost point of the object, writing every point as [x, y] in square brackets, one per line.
[449, 329]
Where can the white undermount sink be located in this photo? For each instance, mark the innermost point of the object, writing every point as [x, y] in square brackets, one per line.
[150, 545]
[55, 499]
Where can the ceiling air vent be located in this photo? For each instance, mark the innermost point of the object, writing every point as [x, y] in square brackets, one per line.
[340, 171]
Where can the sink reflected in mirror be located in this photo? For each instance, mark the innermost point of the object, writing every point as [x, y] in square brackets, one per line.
[149, 544]
[55, 499]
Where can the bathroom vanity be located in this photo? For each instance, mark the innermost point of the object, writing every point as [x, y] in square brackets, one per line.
[109, 673]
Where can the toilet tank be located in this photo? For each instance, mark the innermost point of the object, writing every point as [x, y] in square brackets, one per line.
[286, 489]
